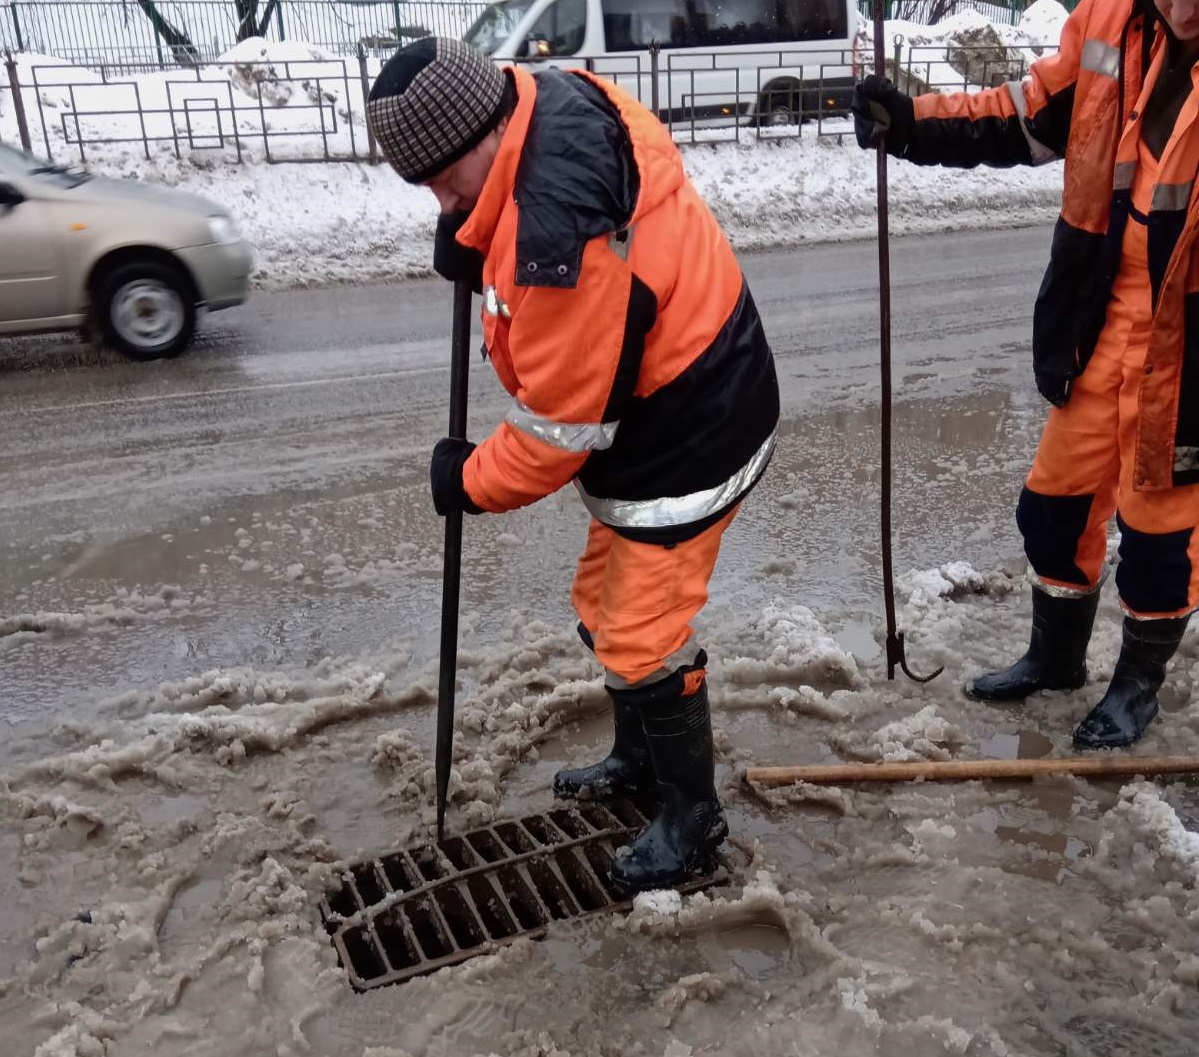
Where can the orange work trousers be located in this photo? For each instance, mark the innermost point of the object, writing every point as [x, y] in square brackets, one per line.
[1083, 471]
[637, 601]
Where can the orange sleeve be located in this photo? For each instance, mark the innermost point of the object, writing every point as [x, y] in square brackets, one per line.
[1024, 122]
[566, 347]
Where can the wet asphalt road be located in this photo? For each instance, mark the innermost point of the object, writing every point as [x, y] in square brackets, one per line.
[261, 501]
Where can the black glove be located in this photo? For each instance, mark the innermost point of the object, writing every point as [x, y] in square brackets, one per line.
[452, 260]
[882, 112]
[445, 476]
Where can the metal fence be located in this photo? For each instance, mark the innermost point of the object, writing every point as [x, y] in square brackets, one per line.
[314, 110]
[120, 31]
[112, 31]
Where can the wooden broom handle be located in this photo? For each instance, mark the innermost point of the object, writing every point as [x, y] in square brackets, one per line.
[966, 770]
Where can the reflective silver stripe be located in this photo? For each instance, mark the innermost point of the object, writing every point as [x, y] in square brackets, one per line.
[1061, 591]
[679, 509]
[569, 436]
[621, 242]
[1186, 458]
[1122, 175]
[686, 654]
[492, 304]
[1174, 197]
[1040, 153]
[1150, 616]
[1100, 57]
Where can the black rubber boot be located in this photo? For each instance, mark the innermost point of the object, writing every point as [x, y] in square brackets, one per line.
[625, 771]
[1130, 703]
[1057, 651]
[690, 824]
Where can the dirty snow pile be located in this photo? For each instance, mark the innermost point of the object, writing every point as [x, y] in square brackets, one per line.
[346, 222]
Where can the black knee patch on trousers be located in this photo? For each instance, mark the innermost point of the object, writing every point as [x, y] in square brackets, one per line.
[1051, 526]
[1154, 573]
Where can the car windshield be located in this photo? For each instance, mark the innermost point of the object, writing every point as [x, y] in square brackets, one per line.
[17, 163]
[495, 24]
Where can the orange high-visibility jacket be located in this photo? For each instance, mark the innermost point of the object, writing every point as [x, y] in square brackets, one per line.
[1083, 104]
[616, 315]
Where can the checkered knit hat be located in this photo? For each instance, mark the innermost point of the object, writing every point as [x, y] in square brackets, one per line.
[433, 102]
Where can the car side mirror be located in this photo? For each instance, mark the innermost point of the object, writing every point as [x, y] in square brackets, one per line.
[10, 196]
[538, 48]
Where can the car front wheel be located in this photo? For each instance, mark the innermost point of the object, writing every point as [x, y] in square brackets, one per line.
[146, 310]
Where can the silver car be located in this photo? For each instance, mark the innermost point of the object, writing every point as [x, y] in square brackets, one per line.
[131, 263]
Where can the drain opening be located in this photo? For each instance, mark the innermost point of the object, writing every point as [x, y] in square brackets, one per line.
[461, 855]
[433, 941]
[460, 916]
[516, 837]
[599, 856]
[588, 892]
[367, 881]
[599, 816]
[397, 941]
[570, 824]
[498, 922]
[362, 953]
[529, 910]
[487, 845]
[401, 873]
[543, 831]
[552, 890]
[344, 901]
[431, 864]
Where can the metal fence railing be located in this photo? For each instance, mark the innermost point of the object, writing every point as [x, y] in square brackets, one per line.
[314, 110]
[111, 31]
[191, 31]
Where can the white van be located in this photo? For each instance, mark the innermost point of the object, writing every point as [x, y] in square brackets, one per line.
[775, 61]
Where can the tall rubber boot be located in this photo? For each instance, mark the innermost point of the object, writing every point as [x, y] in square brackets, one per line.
[690, 824]
[1057, 651]
[1130, 703]
[625, 771]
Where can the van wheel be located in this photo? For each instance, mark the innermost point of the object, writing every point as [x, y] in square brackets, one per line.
[780, 105]
[146, 310]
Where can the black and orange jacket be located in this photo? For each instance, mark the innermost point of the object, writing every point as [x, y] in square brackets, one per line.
[615, 313]
[1083, 105]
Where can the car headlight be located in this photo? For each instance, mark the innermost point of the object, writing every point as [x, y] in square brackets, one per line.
[223, 229]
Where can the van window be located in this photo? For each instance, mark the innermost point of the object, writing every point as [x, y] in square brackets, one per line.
[813, 19]
[560, 29]
[632, 25]
[495, 25]
[718, 23]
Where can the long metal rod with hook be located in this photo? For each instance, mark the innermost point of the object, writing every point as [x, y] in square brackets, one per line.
[451, 577]
[895, 646]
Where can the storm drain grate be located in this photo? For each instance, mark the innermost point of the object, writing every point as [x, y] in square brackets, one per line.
[416, 911]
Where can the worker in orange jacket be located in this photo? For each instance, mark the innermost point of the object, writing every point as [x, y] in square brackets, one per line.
[617, 317]
[1115, 334]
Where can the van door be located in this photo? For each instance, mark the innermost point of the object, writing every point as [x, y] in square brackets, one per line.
[31, 280]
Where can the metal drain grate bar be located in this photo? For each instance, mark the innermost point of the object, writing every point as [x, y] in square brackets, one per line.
[413, 912]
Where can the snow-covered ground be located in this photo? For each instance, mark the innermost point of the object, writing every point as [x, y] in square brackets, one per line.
[350, 221]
